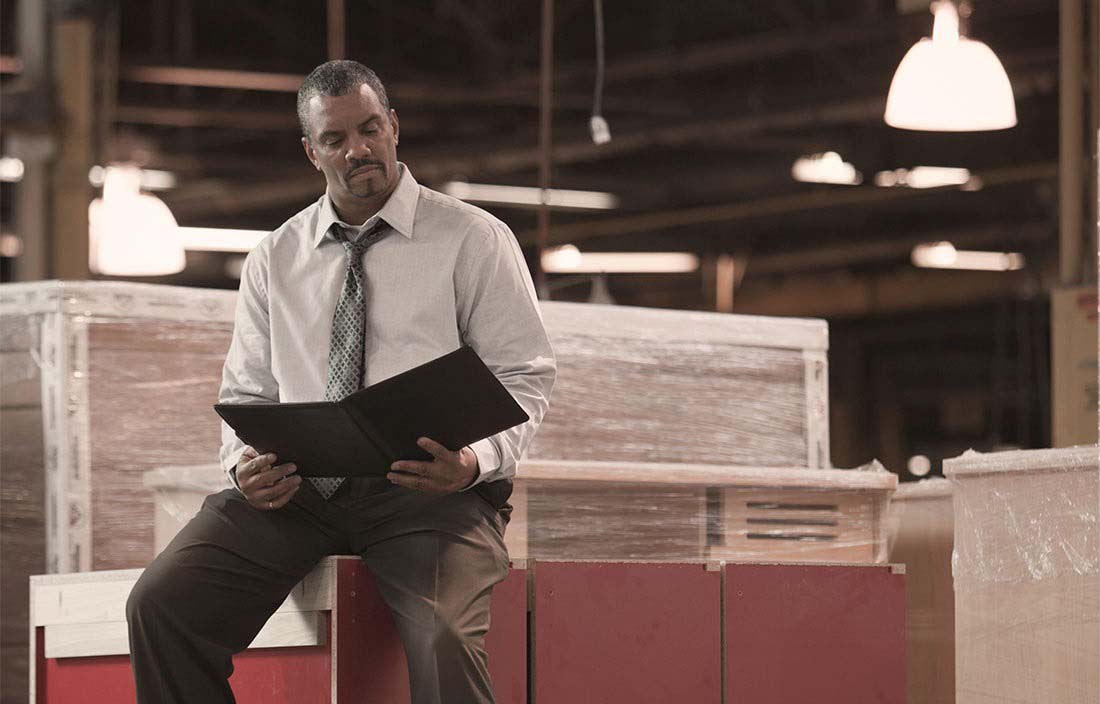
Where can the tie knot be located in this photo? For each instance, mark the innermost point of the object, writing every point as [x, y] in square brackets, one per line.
[365, 240]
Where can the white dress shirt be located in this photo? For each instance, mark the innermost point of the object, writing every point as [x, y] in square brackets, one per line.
[450, 274]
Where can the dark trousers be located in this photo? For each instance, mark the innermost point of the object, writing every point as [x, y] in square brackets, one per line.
[435, 559]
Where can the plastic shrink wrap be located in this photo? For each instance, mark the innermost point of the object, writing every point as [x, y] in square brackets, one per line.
[1027, 575]
[650, 385]
[99, 382]
[622, 510]
[112, 379]
[921, 530]
[628, 511]
[103, 381]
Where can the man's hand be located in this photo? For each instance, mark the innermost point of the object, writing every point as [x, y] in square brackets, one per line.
[266, 485]
[447, 473]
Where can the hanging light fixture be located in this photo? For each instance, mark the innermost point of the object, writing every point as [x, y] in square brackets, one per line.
[567, 259]
[950, 83]
[825, 168]
[132, 233]
[943, 255]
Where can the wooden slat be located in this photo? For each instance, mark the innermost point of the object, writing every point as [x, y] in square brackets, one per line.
[73, 640]
[825, 525]
[704, 474]
[99, 597]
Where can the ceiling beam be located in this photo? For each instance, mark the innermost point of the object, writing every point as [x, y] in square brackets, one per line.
[260, 120]
[639, 66]
[415, 92]
[12, 65]
[841, 295]
[818, 199]
[854, 252]
[770, 45]
[847, 295]
[493, 160]
[281, 120]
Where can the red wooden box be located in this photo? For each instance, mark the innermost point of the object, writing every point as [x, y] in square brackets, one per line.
[735, 633]
[607, 632]
[333, 640]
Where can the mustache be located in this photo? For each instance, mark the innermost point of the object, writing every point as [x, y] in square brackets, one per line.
[360, 165]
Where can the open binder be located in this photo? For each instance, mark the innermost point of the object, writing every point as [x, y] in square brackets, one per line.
[454, 399]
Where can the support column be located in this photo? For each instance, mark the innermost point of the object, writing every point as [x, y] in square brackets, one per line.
[33, 147]
[337, 32]
[74, 81]
[1071, 159]
[1092, 274]
[546, 108]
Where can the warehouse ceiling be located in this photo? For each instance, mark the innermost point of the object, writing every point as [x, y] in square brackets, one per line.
[709, 105]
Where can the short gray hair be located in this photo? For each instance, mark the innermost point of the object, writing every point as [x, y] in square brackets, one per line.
[338, 77]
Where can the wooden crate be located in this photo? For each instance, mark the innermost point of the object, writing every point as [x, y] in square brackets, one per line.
[612, 632]
[655, 633]
[178, 493]
[101, 382]
[22, 497]
[921, 528]
[615, 511]
[108, 380]
[333, 640]
[127, 375]
[1027, 576]
[814, 633]
[648, 385]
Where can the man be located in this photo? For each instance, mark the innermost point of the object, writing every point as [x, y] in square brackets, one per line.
[376, 277]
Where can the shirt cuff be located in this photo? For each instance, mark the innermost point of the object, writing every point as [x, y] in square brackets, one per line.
[230, 467]
[488, 460]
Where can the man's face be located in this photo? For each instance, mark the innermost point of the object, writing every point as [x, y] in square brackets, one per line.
[353, 141]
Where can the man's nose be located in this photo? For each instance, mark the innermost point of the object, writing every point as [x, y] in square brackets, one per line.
[358, 149]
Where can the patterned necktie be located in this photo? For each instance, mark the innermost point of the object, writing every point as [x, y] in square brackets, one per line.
[345, 356]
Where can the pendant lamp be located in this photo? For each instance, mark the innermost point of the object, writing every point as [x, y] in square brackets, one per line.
[132, 233]
[950, 83]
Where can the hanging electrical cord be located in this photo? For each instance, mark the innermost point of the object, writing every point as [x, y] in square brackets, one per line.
[601, 132]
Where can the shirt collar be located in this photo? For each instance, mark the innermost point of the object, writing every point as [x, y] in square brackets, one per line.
[399, 210]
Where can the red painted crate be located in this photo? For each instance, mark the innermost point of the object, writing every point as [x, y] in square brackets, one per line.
[333, 641]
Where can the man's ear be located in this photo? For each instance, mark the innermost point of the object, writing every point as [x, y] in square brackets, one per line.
[310, 154]
[393, 123]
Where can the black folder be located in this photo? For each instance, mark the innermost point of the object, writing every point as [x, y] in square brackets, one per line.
[454, 400]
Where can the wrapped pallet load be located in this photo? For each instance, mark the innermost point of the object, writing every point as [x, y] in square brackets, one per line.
[1027, 576]
[107, 382]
